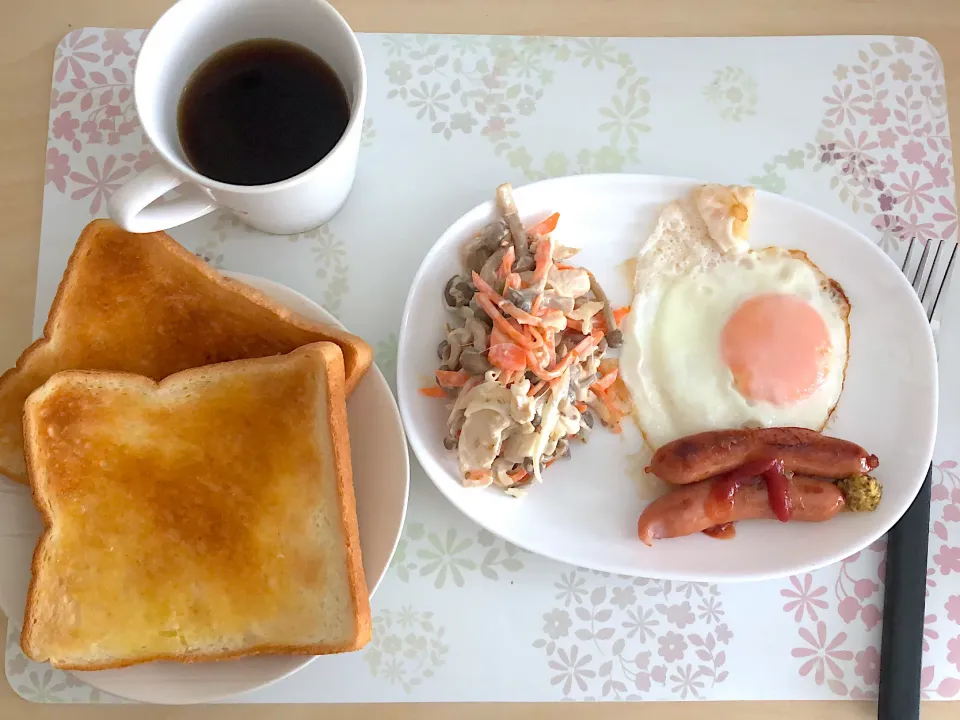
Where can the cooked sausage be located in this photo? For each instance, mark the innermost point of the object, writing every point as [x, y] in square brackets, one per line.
[701, 456]
[691, 509]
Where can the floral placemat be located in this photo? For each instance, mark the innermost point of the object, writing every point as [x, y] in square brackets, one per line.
[856, 126]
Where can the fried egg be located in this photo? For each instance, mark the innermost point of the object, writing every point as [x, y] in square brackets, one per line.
[730, 339]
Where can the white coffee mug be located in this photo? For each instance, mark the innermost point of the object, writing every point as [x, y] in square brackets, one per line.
[186, 35]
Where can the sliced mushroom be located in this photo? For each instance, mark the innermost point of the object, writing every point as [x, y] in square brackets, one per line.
[478, 331]
[457, 292]
[523, 299]
[525, 264]
[495, 234]
[508, 209]
[489, 270]
[613, 336]
[474, 362]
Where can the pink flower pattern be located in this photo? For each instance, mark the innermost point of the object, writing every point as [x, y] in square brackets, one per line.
[65, 126]
[72, 53]
[91, 104]
[58, 168]
[948, 559]
[102, 182]
[804, 598]
[949, 217]
[868, 665]
[914, 153]
[822, 655]
[953, 655]
[952, 606]
[912, 192]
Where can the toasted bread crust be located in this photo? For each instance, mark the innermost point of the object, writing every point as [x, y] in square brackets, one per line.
[330, 356]
[53, 351]
[339, 430]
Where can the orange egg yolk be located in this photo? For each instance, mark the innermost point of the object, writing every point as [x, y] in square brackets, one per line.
[777, 347]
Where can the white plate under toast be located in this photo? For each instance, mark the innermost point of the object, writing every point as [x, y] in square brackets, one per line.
[585, 512]
[381, 476]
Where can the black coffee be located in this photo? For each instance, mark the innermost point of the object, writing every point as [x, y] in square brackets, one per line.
[261, 111]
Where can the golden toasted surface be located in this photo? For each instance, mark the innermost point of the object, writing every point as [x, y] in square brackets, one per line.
[144, 304]
[204, 516]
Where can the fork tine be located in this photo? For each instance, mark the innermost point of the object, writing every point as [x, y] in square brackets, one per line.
[943, 281]
[920, 266]
[933, 268]
[906, 258]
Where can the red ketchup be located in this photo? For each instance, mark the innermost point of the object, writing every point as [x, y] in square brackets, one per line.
[778, 491]
[720, 502]
[722, 496]
[724, 531]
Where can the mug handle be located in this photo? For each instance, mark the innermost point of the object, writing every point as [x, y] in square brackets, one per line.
[129, 206]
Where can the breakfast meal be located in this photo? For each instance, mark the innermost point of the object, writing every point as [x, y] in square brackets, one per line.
[524, 360]
[731, 362]
[146, 305]
[207, 516]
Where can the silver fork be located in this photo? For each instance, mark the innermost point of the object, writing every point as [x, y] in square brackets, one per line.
[924, 276]
[905, 585]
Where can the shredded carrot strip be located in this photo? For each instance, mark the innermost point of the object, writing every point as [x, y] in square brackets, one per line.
[434, 392]
[483, 286]
[564, 266]
[512, 281]
[481, 475]
[501, 323]
[545, 226]
[544, 258]
[610, 404]
[537, 388]
[581, 406]
[538, 340]
[579, 352]
[451, 379]
[508, 307]
[518, 475]
[620, 313]
[537, 301]
[507, 356]
[606, 381]
[506, 265]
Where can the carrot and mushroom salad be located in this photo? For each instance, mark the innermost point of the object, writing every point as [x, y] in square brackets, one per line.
[524, 361]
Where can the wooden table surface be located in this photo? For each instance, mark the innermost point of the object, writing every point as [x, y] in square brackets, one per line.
[29, 33]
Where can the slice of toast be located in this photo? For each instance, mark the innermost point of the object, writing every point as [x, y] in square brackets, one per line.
[209, 516]
[144, 304]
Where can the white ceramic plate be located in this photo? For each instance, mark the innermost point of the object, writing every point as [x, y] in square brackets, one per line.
[381, 476]
[586, 511]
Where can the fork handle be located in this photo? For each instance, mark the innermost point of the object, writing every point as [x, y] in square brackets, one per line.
[905, 590]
